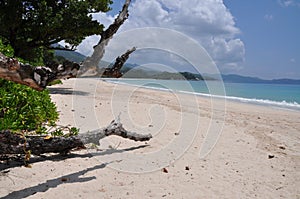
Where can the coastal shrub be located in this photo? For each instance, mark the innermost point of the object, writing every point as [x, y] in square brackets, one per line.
[21, 107]
[6, 49]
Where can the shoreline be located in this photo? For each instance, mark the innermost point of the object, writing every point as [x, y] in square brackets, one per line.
[256, 154]
[291, 106]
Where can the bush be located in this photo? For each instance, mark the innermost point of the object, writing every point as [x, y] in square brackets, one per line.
[22, 108]
[6, 49]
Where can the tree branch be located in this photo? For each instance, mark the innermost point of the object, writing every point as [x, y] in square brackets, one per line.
[11, 69]
[35, 77]
[59, 48]
[11, 143]
[115, 70]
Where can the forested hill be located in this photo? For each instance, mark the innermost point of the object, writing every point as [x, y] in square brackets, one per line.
[133, 71]
[244, 79]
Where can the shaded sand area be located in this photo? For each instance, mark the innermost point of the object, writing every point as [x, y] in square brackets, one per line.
[257, 153]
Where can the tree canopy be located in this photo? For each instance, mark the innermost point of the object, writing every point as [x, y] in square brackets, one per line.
[31, 26]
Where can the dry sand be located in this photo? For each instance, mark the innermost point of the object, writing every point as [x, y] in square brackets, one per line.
[257, 154]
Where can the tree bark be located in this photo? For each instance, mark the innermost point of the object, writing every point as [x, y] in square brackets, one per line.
[13, 143]
[35, 77]
[115, 70]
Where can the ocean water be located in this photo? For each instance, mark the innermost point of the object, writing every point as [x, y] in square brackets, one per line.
[277, 95]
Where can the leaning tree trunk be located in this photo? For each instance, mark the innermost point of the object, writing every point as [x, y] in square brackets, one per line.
[99, 50]
[11, 143]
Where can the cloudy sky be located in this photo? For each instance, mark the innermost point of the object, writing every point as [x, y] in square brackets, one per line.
[254, 38]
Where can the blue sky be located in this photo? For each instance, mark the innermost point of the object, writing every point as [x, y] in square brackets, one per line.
[255, 37]
[270, 31]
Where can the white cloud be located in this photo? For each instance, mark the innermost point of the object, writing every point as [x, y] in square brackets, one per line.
[209, 22]
[104, 19]
[86, 47]
[227, 53]
[268, 17]
[208, 17]
[287, 3]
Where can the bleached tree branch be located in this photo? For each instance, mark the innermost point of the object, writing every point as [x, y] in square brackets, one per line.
[11, 143]
[115, 70]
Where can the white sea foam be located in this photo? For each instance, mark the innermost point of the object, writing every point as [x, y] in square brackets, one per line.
[143, 86]
[263, 102]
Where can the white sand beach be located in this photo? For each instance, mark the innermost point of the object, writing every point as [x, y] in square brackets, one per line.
[256, 155]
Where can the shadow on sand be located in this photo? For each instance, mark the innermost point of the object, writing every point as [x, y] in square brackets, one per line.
[43, 187]
[66, 91]
[70, 178]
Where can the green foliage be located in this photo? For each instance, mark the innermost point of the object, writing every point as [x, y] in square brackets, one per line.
[74, 131]
[7, 50]
[62, 131]
[32, 26]
[57, 132]
[22, 108]
[58, 81]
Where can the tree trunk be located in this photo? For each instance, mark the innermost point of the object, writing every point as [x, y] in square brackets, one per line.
[99, 50]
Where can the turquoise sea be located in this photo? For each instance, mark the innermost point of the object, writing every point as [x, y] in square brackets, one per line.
[277, 95]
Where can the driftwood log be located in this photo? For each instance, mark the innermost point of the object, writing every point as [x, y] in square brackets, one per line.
[14, 143]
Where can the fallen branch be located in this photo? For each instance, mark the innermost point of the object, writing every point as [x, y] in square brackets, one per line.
[11, 143]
